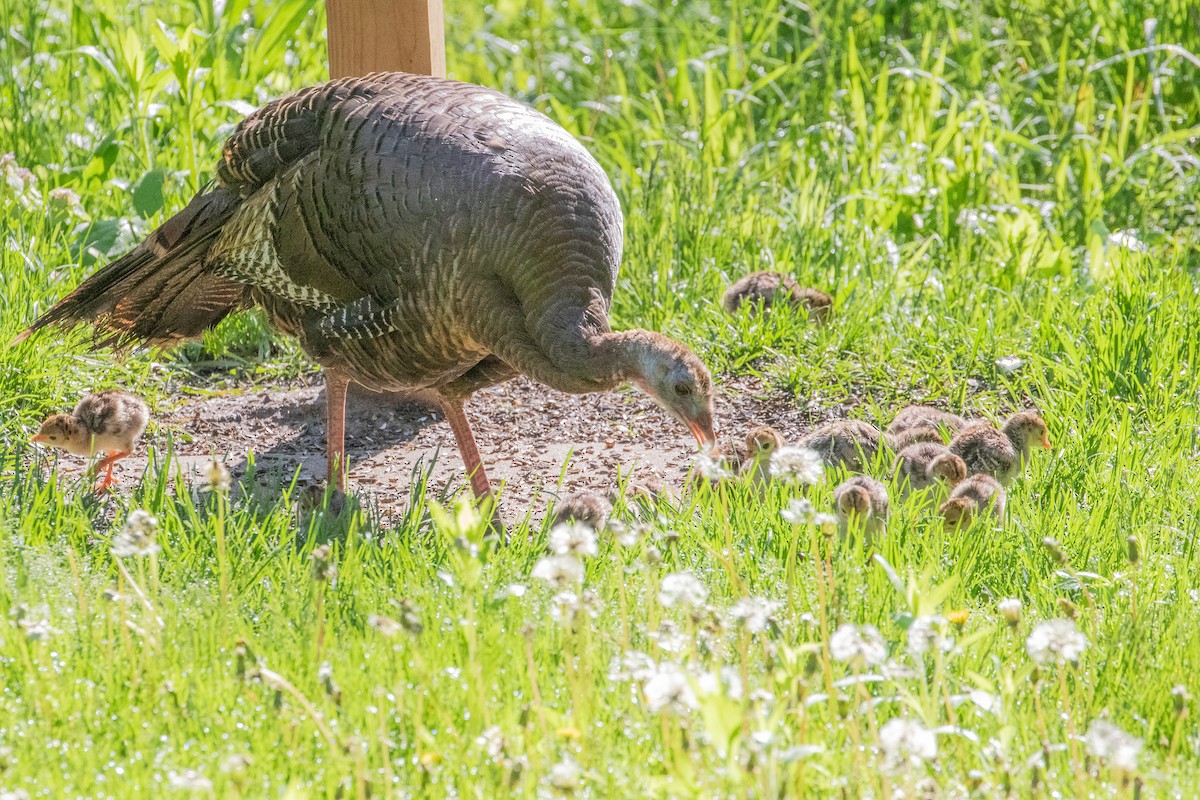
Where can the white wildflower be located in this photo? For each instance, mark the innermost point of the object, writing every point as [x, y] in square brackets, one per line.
[627, 534]
[862, 644]
[558, 571]
[632, 666]
[927, 632]
[1109, 743]
[1010, 609]
[565, 776]
[1129, 240]
[190, 780]
[712, 469]
[682, 589]
[907, 742]
[574, 539]
[565, 607]
[1009, 364]
[727, 682]
[799, 511]
[138, 537]
[754, 613]
[491, 742]
[1056, 640]
[670, 690]
[236, 764]
[826, 523]
[797, 464]
[669, 638]
[216, 477]
[515, 590]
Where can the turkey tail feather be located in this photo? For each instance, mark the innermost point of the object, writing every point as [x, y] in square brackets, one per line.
[162, 291]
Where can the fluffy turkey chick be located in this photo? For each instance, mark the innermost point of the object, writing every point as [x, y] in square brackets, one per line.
[977, 495]
[587, 508]
[107, 422]
[911, 436]
[861, 500]
[771, 287]
[927, 464]
[1001, 453]
[925, 416]
[849, 443]
[761, 444]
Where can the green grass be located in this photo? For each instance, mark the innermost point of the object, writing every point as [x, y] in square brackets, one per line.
[972, 181]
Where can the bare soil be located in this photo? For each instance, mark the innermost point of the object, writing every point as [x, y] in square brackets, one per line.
[526, 434]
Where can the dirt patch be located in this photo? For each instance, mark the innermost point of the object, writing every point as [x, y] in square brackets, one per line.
[526, 433]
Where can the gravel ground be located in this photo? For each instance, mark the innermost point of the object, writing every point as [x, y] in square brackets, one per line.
[526, 433]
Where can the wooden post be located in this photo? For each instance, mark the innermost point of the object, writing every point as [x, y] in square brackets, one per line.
[385, 35]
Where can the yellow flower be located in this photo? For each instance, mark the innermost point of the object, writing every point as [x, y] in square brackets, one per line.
[568, 732]
[958, 616]
[428, 760]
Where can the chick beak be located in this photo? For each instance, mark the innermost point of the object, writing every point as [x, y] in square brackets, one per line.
[1046, 443]
[37, 439]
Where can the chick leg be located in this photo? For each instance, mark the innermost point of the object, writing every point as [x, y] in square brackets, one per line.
[336, 385]
[106, 463]
[453, 409]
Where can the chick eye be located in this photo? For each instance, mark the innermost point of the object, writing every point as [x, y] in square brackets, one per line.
[683, 389]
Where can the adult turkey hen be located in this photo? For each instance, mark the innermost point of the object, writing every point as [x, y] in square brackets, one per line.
[410, 232]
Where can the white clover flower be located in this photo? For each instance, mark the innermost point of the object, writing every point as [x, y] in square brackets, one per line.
[669, 690]
[138, 537]
[861, 644]
[573, 538]
[190, 780]
[712, 469]
[799, 511]
[754, 613]
[926, 632]
[216, 477]
[1109, 743]
[682, 589]
[1010, 609]
[558, 571]
[797, 464]
[1056, 640]
[492, 743]
[907, 742]
[565, 776]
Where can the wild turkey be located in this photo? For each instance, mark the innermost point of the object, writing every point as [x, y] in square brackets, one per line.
[410, 232]
[108, 422]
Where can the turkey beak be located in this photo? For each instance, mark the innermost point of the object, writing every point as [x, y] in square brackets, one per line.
[1046, 443]
[37, 439]
[702, 429]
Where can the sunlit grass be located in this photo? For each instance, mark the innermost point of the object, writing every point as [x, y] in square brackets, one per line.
[971, 182]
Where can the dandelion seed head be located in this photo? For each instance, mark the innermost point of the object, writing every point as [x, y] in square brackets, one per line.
[190, 780]
[1109, 743]
[712, 468]
[565, 776]
[799, 511]
[1010, 609]
[1056, 640]
[669, 690]
[138, 537]
[682, 589]
[907, 742]
[753, 613]
[858, 644]
[632, 666]
[216, 477]
[492, 743]
[825, 523]
[574, 539]
[927, 633]
[559, 571]
[797, 465]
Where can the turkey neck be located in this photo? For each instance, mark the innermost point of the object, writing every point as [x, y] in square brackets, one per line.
[613, 358]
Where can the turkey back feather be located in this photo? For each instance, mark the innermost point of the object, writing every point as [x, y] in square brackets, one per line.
[162, 291]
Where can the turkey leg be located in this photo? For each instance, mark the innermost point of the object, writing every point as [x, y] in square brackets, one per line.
[453, 409]
[336, 385]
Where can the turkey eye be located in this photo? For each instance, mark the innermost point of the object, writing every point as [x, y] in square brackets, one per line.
[682, 389]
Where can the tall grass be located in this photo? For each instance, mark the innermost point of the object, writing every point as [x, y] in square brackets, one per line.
[972, 181]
